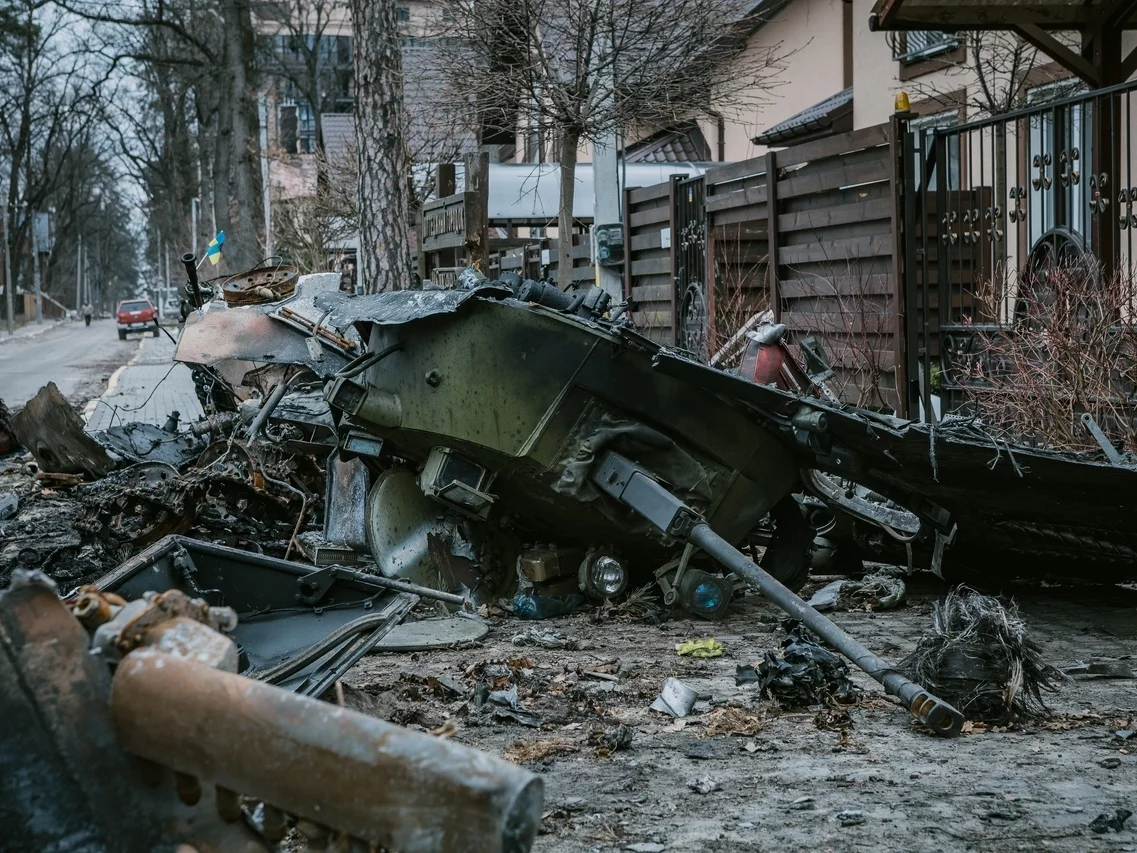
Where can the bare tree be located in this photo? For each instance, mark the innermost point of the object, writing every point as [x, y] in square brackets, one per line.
[384, 168]
[581, 68]
[197, 66]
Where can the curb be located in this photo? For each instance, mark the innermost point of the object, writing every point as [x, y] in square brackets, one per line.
[35, 333]
[112, 383]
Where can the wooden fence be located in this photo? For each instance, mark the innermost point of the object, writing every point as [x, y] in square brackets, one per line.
[826, 212]
[810, 232]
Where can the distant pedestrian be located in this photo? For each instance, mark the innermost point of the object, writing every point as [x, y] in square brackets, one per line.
[88, 312]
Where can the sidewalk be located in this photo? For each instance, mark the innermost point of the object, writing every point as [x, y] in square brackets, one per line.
[30, 329]
[146, 389]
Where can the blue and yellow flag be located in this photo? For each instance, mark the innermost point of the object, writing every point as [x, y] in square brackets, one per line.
[213, 250]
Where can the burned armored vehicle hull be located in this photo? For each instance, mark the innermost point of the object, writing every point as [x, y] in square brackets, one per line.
[498, 410]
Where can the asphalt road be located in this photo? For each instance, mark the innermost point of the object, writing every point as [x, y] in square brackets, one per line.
[77, 358]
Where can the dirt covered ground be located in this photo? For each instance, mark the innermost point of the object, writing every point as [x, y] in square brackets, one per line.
[779, 780]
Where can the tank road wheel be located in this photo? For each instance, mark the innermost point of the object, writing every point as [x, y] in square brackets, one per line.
[787, 555]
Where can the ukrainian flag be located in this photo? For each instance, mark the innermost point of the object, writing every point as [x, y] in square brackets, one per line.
[213, 250]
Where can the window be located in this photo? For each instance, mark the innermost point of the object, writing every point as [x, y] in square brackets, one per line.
[403, 14]
[915, 45]
[923, 128]
[297, 128]
[1052, 132]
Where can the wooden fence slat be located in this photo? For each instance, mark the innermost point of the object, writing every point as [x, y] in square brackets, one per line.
[845, 214]
[652, 293]
[834, 146]
[661, 214]
[726, 201]
[651, 266]
[638, 195]
[831, 179]
[877, 284]
[838, 251]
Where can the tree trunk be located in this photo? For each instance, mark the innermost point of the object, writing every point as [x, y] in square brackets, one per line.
[384, 247]
[243, 246]
[570, 140]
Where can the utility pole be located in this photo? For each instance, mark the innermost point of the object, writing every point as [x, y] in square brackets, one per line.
[166, 290]
[9, 290]
[35, 269]
[606, 174]
[79, 274]
[266, 189]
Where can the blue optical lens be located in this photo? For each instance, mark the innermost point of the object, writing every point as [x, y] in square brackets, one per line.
[708, 596]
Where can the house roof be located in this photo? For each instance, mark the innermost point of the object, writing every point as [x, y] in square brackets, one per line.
[824, 118]
[681, 145]
[992, 14]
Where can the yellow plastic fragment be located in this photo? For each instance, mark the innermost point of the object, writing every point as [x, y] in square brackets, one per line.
[708, 647]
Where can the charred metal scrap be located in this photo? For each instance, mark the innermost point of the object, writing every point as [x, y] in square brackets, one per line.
[128, 728]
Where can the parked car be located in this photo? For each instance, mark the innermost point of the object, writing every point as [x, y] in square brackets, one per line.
[136, 315]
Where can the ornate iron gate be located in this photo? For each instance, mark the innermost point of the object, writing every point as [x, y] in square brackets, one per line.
[694, 299]
[990, 208]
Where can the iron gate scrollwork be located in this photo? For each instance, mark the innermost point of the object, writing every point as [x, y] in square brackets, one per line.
[990, 209]
[693, 299]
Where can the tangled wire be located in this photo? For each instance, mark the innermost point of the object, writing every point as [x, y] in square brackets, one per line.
[980, 658]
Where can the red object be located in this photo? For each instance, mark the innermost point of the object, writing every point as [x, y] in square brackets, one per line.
[135, 311]
[763, 363]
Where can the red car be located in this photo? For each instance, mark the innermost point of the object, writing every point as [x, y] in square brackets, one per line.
[136, 315]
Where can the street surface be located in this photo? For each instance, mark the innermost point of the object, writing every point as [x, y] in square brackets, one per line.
[77, 358]
[147, 389]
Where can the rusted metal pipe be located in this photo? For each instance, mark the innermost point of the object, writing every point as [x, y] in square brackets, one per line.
[373, 780]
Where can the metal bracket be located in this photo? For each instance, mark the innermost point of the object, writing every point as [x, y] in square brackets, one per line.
[1100, 437]
[942, 541]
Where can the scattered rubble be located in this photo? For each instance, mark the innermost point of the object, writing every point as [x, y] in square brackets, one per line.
[161, 687]
[803, 674]
[357, 469]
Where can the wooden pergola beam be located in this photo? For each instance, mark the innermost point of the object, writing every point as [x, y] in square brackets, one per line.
[1069, 59]
[1111, 16]
[1129, 65]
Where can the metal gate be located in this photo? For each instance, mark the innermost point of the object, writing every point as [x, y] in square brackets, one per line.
[693, 298]
[989, 208]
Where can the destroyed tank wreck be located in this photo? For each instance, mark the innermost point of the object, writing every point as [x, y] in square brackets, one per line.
[478, 418]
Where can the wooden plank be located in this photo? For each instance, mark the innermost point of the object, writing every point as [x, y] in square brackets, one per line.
[637, 195]
[839, 323]
[829, 179]
[443, 241]
[651, 266]
[740, 232]
[772, 250]
[878, 284]
[837, 251]
[752, 216]
[726, 201]
[734, 171]
[652, 293]
[844, 214]
[646, 241]
[834, 146]
[653, 215]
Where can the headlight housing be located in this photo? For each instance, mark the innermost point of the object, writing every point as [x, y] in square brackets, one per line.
[602, 575]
